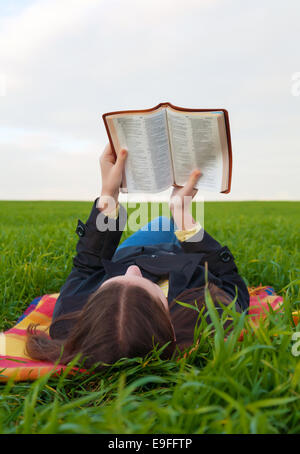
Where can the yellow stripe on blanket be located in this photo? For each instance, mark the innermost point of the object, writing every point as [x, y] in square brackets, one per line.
[2, 344]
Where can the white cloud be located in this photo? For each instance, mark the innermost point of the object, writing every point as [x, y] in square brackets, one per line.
[68, 61]
[40, 23]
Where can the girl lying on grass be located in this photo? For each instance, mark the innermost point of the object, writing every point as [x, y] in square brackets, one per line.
[121, 300]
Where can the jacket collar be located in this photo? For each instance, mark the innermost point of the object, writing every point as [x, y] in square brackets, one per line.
[180, 269]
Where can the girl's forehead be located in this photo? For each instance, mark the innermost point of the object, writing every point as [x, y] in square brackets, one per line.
[130, 278]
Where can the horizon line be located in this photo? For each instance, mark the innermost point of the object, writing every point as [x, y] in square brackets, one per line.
[146, 201]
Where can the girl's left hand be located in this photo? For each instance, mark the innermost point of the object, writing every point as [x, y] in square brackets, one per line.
[111, 171]
[181, 197]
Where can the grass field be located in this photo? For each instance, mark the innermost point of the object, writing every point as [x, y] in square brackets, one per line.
[228, 387]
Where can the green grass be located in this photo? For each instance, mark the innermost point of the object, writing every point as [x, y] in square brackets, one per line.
[228, 387]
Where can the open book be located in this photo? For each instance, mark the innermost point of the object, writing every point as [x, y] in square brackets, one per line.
[167, 142]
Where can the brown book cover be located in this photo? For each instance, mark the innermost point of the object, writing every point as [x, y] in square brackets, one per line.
[225, 138]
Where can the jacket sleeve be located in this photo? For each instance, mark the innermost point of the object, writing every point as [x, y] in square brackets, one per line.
[220, 262]
[98, 239]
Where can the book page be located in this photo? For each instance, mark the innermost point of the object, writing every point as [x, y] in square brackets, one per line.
[148, 166]
[195, 143]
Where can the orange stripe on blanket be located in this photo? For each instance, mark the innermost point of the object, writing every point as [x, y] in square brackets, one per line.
[22, 370]
[34, 318]
[15, 360]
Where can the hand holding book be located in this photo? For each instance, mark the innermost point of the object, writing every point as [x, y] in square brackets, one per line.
[180, 202]
[167, 142]
[111, 172]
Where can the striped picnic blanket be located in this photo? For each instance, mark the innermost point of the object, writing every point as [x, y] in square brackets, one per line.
[14, 363]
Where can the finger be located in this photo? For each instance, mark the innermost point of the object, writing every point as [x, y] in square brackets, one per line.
[189, 187]
[107, 150]
[107, 154]
[121, 158]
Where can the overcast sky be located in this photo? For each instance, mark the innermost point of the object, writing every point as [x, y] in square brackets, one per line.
[63, 63]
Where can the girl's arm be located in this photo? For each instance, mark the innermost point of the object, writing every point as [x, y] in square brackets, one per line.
[95, 243]
[100, 235]
[194, 239]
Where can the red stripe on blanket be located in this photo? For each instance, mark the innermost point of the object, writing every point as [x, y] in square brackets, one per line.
[19, 332]
[15, 361]
[47, 307]
[257, 306]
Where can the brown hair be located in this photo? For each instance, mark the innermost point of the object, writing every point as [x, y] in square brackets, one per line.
[117, 321]
[184, 319]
